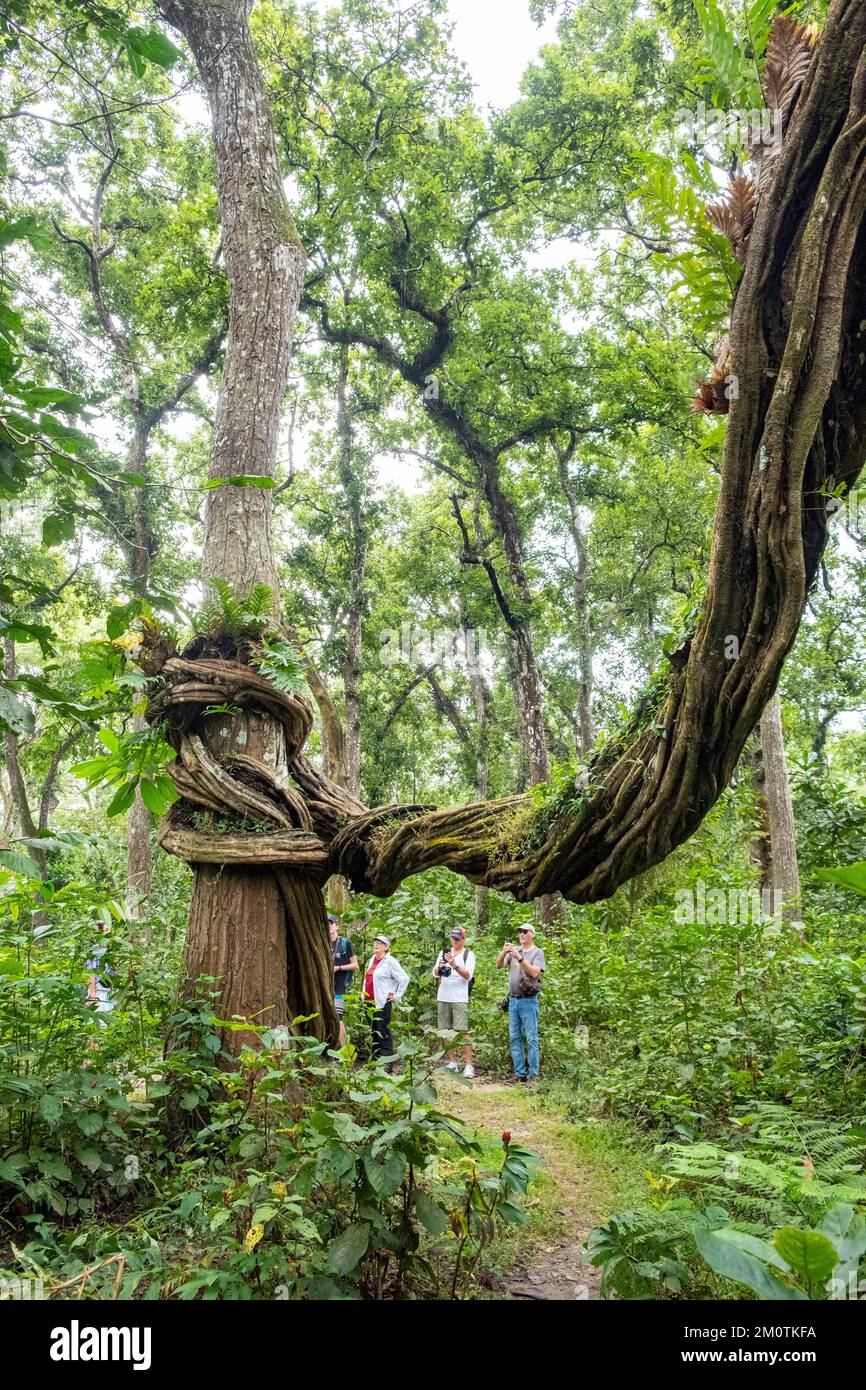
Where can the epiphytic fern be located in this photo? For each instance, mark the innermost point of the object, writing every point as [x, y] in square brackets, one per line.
[241, 618]
[735, 214]
[789, 53]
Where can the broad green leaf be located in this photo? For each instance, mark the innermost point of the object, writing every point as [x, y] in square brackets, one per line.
[122, 800]
[56, 528]
[809, 1253]
[846, 1229]
[348, 1249]
[851, 876]
[152, 45]
[429, 1213]
[151, 796]
[88, 1157]
[188, 1203]
[385, 1177]
[20, 864]
[51, 1108]
[726, 1258]
[15, 715]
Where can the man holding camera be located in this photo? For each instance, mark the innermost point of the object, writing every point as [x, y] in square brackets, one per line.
[526, 965]
[454, 970]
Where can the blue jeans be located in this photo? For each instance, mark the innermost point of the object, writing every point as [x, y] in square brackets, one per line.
[523, 1028]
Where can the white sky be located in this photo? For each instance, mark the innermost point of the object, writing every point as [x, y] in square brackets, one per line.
[496, 40]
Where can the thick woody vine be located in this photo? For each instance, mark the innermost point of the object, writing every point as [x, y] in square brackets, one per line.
[796, 439]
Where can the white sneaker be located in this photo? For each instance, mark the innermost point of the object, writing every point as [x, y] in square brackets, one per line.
[469, 1071]
[453, 1066]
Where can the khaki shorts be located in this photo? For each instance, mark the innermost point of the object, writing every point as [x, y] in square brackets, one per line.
[453, 1016]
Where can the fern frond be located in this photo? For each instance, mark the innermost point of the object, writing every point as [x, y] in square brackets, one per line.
[735, 215]
[789, 53]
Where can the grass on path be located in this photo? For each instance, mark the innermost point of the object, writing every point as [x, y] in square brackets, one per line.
[589, 1172]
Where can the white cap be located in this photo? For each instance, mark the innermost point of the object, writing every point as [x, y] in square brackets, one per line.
[383, 939]
[526, 926]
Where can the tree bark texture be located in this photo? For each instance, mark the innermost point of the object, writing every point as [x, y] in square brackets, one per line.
[259, 929]
[784, 870]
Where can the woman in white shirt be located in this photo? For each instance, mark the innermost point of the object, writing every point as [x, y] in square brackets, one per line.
[385, 983]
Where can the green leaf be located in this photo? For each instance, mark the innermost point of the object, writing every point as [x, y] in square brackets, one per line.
[263, 1214]
[429, 1213]
[151, 45]
[15, 715]
[243, 480]
[121, 616]
[27, 228]
[337, 1161]
[56, 528]
[38, 396]
[761, 1249]
[725, 1257]
[809, 1253]
[152, 797]
[847, 1231]
[53, 1166]
[349, 1249]
[51, 1108]
[88, 1157]
[188, 1203]
[123, 799]
[90, 1122]
[20, 864]
[385, 1177]
[851, 876]
[346, 1128]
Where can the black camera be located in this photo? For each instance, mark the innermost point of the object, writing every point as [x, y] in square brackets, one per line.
[444, 967]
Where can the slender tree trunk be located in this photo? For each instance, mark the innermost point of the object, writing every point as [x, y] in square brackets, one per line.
[248, 926]
[481, 701]
[760, 853]
[785, 874]
[581, 609]
[352, 487]
[139, 865]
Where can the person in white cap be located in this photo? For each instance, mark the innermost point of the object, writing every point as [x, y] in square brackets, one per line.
[526, 965]
[385, 983]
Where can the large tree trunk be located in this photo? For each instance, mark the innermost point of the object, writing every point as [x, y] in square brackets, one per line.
[261, 933]
[784, 871]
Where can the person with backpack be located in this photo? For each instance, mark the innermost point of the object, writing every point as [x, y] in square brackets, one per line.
[345, 964]
[455, 971]
[526, 965]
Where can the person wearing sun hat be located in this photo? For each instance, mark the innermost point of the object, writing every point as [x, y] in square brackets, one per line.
[385, 983]
[455, 970]
[526, 965]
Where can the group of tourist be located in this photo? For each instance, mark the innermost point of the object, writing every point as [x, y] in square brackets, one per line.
[384, 982]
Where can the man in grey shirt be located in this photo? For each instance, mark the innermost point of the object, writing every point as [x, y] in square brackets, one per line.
[526, 965]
